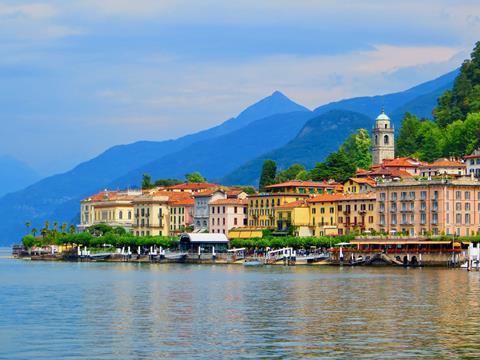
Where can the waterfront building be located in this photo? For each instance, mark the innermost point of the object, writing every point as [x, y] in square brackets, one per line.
[201, 210]
[472, 163]
[359, 185]
[294, 218]
[446, 206]
[341, 214]
[153, 213]
[113, 208]
[356, 213]
[204, 243]
[323, 214]
[262, 207]
[441, 167]
[181, 214]
[226, 214]
[383, 139]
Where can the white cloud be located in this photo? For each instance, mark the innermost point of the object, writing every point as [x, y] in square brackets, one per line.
[31, 11]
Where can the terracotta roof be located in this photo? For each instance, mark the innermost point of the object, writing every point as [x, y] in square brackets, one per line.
[342, 197]
[192, 186]
[300, 183]
[293, 204]
[208, 192]
[229, 202]
[472, 156]
[365, 180]
[182, 202]
[402, 162]
[111, 196]
[443, 163]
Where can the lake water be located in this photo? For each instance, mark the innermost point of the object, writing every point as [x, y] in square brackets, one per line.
[138, 311]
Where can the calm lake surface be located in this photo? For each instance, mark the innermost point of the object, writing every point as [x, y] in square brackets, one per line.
[135, 311]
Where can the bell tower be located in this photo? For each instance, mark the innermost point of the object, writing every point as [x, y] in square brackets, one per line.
[383, 139]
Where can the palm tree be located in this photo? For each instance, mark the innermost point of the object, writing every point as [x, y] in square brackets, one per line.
[72, 229]
[63, 227]
[34, 231]
[28, 224]
[47, 224]
[55, 226]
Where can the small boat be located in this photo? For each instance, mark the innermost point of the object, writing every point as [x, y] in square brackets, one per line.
[100, 256]
[253, 263]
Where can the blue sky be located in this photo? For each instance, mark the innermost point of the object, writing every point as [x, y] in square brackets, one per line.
[79, 76]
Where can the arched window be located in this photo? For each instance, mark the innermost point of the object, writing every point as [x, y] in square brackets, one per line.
[385, 139]
[386, 126]
[376, 139]
[120, 215]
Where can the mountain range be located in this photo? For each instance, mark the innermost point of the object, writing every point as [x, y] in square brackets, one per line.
[275, 127]
[15, 175]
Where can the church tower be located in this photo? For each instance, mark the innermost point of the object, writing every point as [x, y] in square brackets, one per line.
[383, 139]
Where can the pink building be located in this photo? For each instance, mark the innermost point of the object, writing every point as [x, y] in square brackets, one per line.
[226, 214]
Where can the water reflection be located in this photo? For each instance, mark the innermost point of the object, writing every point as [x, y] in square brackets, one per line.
[107, 311]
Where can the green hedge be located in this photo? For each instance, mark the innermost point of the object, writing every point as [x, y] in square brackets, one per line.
[113, 239]
[290, 241]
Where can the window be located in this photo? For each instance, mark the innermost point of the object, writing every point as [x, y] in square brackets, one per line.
[467, 195]
[235, 209]
[458, 218]
[393, 196]
[467, 219]
[213, 209]
[235, 221]
[314, 210]
[385, 139]
[458, 195]
[120, 214]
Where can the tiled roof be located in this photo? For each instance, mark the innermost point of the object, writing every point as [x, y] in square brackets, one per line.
[365, 180]
[443, 163]
[300, 183]
[402, 162]
[293, 204]
[342, 197]
[208, 192]
[229, 202]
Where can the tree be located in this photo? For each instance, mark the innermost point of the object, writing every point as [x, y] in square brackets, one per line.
[290, 173]
[269, 172]
[63, 228]
[337, 166]
[28, 224]
[304, 175]
[147, 181]
[34, 231]
[167, 182]
[72, 229]
[195, 177]
[463, 99]
[357, 148]
[407, 143]
[430, 141]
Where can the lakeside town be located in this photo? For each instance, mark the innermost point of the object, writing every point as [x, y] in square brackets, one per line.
[401, 211]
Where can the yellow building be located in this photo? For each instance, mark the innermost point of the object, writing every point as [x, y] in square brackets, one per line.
[340, 214]
[323, 214]
[294, 216]
[262, 207]
[113, 208]
[356, 213]
[359, 185]
[162, 213]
